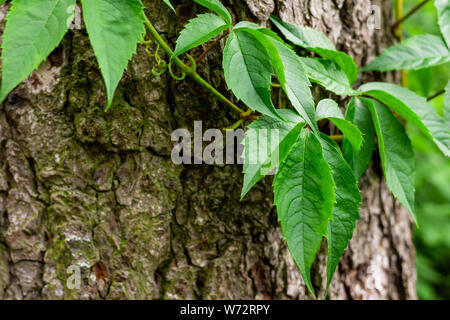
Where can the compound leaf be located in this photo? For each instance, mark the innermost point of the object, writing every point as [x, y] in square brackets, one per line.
[288, 69]
[317, 42]
[396, 153]
[217, 7]
[296, 84]
[115, 28]
[443, 7]
[304, 196]
[267, 143]
[33, 30]
[346, 208]
[418, 52]
[413, 108]
[199, 30]
[360, 116]
[291, 74]
[248, 71]
[329, 75]
[329, 109]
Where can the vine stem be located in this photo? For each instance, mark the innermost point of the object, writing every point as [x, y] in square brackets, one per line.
[190, 71]
[437, 94]
[400, 18]
[397, 27]
[337, 138]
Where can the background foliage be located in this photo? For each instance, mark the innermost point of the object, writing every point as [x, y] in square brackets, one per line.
[432, 240]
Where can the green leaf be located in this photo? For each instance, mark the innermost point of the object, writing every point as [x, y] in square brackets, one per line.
[33, 30]
[1, 1]
[329, 109]
[447, 105]
[169, 5]
[288, 68]
[304, 196]
[291, 74]
[199, 30]
[359, 115]
[329, 75]
[443, 7]
[217, 7]
[115, 28]
[278, 137]
[317, 42]
[248, 72]
[418, 52]
[413, 108]
[346, 208]
[295, 84]
[396, 153]
[252, 25]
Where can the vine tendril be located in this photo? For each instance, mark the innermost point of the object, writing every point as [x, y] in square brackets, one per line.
[183, 74]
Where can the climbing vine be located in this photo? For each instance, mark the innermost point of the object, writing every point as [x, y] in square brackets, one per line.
[316, 183]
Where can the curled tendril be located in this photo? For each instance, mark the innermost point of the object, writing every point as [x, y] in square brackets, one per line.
[157, 57]
[163, 66]
[193, 63]
[183, 74]
[146, 41]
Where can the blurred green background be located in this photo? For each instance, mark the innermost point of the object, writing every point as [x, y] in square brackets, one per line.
[432, 239]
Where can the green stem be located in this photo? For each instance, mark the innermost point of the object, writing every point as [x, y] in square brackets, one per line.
[337, 138]
[401, 19]
[190, 71]
[236, 124]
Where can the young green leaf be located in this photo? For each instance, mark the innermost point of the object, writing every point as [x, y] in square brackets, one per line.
[217, 7]
[360, 116]
[443, 7]
[304, 196]
[396, 153]
[248, 72]
[291, 74]
[329, 75]
[317, 42]
[329, 109]
[413, 108]
[115, 28]
[199, 30]
[288, 69]
[346, 208]
[169, 5]
[296, 84]
[275, 138]
[33, 29]
[252, 25]
[418, 52]
[447, 105]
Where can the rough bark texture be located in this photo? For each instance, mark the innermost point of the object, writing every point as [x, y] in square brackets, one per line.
[81, 187]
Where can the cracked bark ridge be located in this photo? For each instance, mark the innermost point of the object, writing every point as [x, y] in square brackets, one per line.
[97, 191]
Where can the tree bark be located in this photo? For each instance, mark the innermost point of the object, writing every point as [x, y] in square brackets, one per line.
[98, 191]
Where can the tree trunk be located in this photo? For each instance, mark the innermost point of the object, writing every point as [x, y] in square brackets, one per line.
[95, 192]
